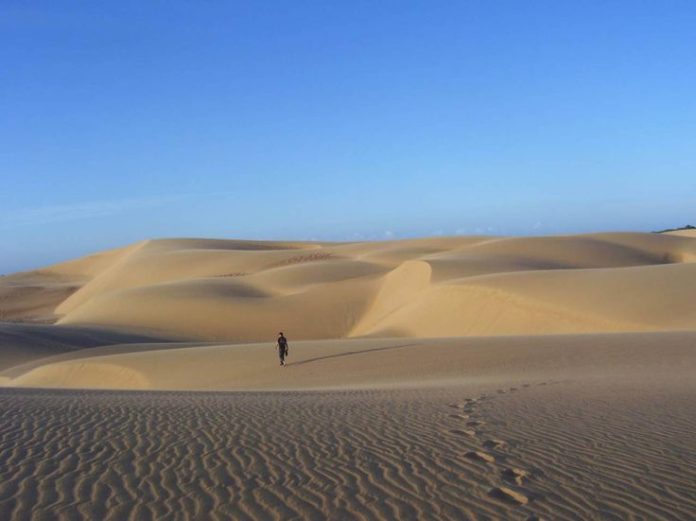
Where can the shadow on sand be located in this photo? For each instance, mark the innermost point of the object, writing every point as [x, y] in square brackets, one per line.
[350, 353]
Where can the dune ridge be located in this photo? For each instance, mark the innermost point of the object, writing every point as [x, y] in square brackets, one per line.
[460, 286]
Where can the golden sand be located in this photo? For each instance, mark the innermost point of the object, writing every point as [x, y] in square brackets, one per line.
[449, 378]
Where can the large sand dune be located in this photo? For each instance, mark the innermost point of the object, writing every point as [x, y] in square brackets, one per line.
[244, 291]
[444, 378]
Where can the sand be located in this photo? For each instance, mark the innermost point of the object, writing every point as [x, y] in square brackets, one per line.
[365, 363]
[684, 233]
[446, 378]
[552, 449]
[242, 291]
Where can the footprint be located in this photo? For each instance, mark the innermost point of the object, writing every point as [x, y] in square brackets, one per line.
[517, 476]
[468, 402]
[493, 444]
[508, 495]
[480, 456]
[463, 432]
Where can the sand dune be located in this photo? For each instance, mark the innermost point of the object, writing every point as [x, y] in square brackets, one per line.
[366, 363]
[628, 299]
[444, 378]
[242, 290]
[23, 343]
[33, 297]
[684, 233]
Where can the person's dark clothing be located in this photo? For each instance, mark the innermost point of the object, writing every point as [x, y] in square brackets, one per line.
[282, 349]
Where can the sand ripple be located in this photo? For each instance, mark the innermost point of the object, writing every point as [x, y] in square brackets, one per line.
[140, 456]
[548, 450]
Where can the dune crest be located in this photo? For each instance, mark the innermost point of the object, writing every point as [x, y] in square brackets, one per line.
[239, 290]
[400, 286]
[459, 286]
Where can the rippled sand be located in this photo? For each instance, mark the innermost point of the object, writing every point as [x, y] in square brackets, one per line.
[559, 450]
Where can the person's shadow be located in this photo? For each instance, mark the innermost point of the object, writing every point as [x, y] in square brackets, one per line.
[351, 353]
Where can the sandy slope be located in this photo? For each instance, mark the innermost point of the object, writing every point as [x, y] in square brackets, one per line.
[32, 296]
[683, 233]
[447, 378]
[510, 446]
[244, 291]
[374, 363]
[23, 343]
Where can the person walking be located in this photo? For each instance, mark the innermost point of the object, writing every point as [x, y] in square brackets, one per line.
[282, 348]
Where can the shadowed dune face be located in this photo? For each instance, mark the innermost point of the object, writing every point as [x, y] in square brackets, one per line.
[24, 343]
[33, 297]
[241, 290]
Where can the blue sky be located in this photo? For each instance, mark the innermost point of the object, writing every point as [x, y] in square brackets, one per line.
[122, 121]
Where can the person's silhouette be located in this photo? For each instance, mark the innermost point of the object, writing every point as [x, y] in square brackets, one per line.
[282, 348]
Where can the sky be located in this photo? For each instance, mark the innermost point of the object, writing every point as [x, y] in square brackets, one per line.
[123, 121]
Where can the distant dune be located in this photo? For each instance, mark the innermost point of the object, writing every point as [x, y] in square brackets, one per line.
[443, 378]
[243, 291]
[684, 233]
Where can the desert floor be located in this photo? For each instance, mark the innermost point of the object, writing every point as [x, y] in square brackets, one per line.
[452, 378]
